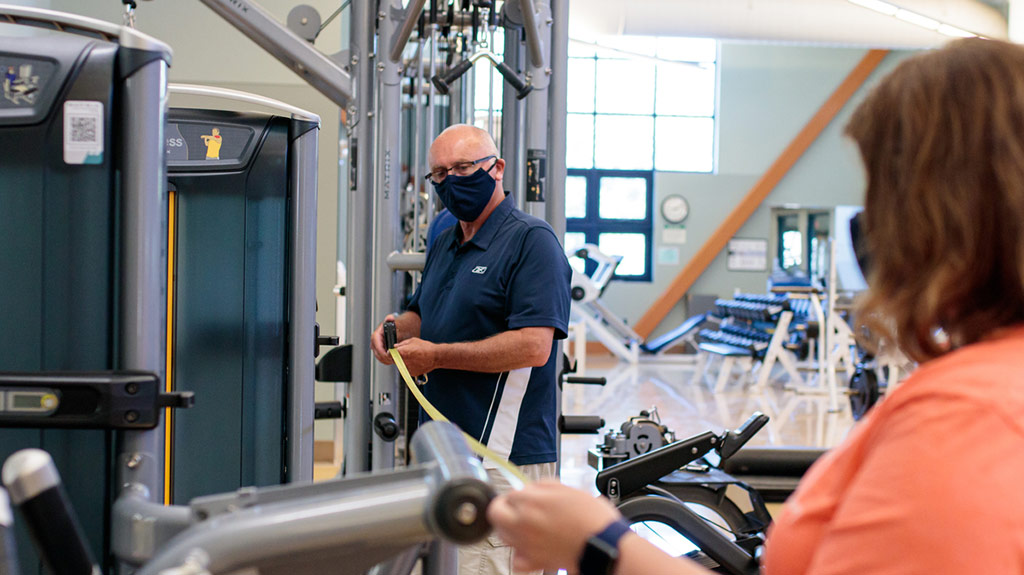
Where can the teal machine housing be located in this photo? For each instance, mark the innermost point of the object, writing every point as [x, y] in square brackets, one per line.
[84, 260]
[235, 181]
[78, 189]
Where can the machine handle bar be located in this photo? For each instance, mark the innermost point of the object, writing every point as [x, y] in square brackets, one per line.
[459, 509]
[8, 549]
[443, 81]
[737, 438]
[36, 489]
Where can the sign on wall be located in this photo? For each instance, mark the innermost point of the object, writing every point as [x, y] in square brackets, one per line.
[747, 255]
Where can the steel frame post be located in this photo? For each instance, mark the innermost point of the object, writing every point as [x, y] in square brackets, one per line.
[143, 260]
[511, 111]
[557, 109]
[387, 224]
[538, 35]
[302, 299]
[359, 288]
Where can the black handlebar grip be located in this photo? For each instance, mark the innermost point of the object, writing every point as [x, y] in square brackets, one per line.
[736, 438]
[443, 81]
[586, 380]
[580, 424]
[386, 426]
[8, 545]
[35, 487]
[390, 334]
[433, 11]
[517, 83]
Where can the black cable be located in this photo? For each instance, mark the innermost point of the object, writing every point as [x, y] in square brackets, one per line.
[332, 17]
[447, 27]
[476, 24]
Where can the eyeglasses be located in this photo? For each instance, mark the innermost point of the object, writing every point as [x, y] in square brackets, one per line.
[437, 175]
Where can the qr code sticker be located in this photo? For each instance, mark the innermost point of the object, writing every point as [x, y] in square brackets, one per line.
[83, 130]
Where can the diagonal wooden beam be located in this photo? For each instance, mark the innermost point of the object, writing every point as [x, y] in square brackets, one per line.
[764, 186]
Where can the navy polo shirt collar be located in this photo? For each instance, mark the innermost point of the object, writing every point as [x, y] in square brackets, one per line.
[482, 238]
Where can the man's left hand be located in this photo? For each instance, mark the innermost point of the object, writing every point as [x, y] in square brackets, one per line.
[420, 356]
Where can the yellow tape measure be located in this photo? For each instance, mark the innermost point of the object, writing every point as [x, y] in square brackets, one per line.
[477, 447]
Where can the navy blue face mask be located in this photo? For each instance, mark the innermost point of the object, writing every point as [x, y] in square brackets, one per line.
[466, 196]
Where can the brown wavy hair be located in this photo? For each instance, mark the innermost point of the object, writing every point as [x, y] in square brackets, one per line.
[942, 139]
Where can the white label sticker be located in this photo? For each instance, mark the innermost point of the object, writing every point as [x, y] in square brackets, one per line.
[83, 132]
[673, 234]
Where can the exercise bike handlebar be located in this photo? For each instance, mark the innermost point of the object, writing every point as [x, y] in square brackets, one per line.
[35, 487]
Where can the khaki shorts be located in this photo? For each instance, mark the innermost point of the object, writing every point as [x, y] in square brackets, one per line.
[493, 556]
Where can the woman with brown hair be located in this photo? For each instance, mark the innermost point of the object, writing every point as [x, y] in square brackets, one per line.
[930, 481]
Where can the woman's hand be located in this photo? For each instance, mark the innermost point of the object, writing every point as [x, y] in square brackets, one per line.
[548, 524]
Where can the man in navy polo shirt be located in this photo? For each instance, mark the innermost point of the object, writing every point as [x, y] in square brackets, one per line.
[484, 322]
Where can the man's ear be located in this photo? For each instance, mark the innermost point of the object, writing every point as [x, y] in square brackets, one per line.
[499, 170]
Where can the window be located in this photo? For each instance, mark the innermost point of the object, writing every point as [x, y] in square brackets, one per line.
[635, 105]
[642, 103]
[612, 210]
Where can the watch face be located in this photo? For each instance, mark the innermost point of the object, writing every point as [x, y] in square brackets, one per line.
[674, 209]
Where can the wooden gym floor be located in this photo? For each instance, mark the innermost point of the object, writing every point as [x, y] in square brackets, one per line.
[687, 406]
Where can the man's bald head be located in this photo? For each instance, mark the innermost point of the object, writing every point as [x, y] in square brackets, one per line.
[460, 143]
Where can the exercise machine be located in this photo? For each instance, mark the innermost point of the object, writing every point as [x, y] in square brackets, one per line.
[83, 193]
[395, 50]
[356, 522]
[638, 487]
[241, 296]
[101, 236]
[706, 488]
[591, 316]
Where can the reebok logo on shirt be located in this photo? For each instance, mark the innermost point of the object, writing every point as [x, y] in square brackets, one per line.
[480, 269]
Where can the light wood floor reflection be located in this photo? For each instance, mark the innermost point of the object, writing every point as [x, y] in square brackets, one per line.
[687, 406]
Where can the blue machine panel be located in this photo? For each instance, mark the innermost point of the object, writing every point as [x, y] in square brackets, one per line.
[230, 299]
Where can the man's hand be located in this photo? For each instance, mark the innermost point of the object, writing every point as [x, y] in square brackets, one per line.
[377, 342]
[419, 355]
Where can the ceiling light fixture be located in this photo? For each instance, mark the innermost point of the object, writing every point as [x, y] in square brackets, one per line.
[914, 18]
[877, 6]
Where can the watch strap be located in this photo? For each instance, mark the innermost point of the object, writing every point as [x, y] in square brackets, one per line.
[602, 550]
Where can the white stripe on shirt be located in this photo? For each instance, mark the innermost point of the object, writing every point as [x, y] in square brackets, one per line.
[503, 432]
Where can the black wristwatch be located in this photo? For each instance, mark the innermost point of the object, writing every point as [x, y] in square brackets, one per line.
[602, 550]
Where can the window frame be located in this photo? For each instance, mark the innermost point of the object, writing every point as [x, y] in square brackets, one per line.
[593, 225]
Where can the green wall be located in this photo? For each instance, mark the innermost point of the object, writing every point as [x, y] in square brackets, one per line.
[767, 93]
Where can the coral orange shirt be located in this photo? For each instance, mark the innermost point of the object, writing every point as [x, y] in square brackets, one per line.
[931, 482]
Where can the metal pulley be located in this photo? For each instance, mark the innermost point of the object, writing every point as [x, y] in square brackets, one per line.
[304, 20]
